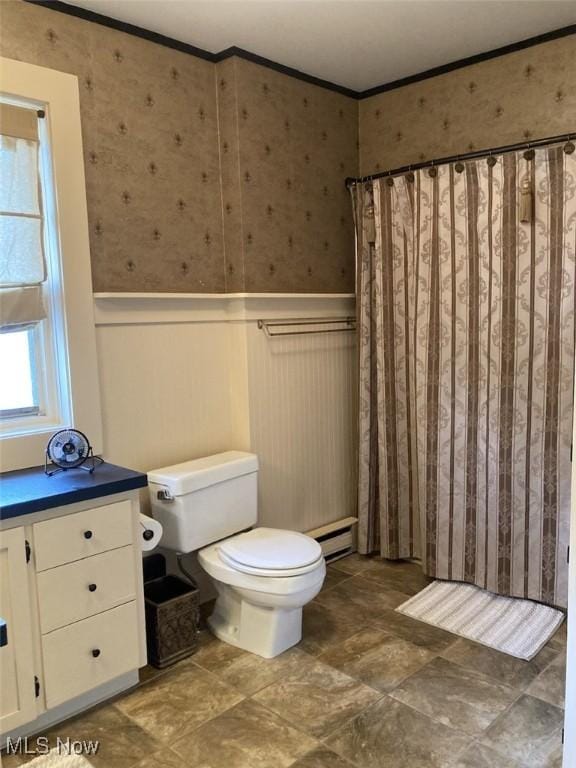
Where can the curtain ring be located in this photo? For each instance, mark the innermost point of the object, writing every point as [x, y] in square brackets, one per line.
[491, 161]
[459, 167]
[529, 154]
[390, 181]
[569, 147]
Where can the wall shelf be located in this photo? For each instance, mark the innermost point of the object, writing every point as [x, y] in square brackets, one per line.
[151, 308]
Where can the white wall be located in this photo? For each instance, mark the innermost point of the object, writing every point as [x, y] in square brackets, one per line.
[165, 392]
[302, 405]
[183, 377]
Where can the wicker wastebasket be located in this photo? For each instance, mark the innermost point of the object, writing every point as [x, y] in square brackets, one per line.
[172, 619]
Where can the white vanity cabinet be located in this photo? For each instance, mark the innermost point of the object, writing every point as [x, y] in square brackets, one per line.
[17, 685]
[71, 595]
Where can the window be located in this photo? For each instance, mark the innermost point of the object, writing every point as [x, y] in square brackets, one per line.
[48, 367]
[33, 391]
[19, 385]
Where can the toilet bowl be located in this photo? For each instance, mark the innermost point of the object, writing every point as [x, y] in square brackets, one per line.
[263, 578]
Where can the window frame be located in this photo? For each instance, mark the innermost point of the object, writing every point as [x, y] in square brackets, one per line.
[52, 375]
[68, 294]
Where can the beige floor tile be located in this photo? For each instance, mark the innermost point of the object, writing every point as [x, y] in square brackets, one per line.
[479, 756]
[377, 658]
[317, 698]
[178, 701]
[333, 577]
[505, 668]
[13, 761]
[353, 564]
[550, 684]
[122, 742]
[251, 673]
[530, 732]
[322, 757]
[390, 735]
[148, 673]
[338, 601]
[457, 697]
[417, 632]
[246, 736]
[363, 597]
[166, 758]
[400, 575]
[324, 627]
[213, 654]
[558, 640]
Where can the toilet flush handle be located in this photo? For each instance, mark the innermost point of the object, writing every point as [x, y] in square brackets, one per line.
[164, 495]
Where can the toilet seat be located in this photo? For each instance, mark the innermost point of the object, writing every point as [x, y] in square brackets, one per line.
[272, 553]
[269, 572]
[281, 583]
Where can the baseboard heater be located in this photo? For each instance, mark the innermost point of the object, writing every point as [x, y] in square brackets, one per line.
[337, 539]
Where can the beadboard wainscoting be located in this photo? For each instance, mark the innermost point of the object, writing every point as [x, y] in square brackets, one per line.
[165, 391]
[302, 406]
[196, 376]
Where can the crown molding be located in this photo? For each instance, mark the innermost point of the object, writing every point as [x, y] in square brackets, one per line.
[468, 61]
[241, 53]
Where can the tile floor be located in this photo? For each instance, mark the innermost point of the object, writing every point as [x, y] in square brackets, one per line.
[366, 687]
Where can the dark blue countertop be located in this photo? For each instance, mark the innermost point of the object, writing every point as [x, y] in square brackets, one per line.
[29, 490]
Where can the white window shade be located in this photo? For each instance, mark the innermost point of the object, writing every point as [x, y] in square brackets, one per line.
[22, 263]
[21, 308]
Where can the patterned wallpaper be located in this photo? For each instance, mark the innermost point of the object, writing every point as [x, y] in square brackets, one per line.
[229, 177]
[148, 112]
[523, 95]
[296, 144]
[163, 215]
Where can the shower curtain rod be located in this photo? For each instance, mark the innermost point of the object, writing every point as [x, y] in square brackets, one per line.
[351, 180]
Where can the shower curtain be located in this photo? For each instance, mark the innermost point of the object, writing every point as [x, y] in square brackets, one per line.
[466, 359]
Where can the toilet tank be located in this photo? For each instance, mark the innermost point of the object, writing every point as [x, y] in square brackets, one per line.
[201, 501]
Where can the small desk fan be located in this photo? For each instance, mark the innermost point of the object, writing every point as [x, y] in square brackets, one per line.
[70, 449]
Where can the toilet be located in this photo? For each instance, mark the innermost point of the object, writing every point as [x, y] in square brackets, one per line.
[263, 576]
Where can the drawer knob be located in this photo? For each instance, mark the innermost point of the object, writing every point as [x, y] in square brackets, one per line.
[87, 534]
[96, 652]
[92, 587]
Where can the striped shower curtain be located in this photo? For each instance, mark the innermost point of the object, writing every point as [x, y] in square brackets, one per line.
[466, 347]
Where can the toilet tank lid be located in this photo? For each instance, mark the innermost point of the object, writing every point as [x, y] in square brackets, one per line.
[190, 476]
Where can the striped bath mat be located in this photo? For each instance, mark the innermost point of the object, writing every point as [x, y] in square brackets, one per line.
[508, 624]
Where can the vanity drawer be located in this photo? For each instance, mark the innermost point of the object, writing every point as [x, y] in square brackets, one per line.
[87, 654]
[72, 537]
[75, 591]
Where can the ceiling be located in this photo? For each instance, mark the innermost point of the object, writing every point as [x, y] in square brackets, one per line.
[358, 44]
